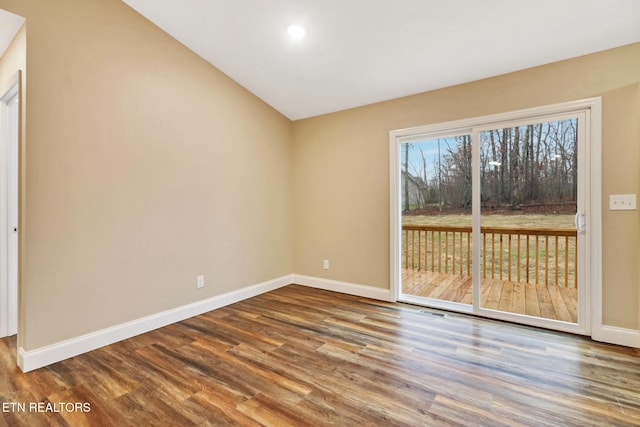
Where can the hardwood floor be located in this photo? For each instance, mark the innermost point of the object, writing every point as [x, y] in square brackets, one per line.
[303, 357]
[549, 302]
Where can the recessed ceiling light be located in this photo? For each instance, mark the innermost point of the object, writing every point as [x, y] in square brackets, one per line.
[296, 32]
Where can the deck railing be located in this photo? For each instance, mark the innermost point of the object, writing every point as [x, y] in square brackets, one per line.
[545, 256]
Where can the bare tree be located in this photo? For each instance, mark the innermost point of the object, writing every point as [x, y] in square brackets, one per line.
[533, 164]
[406, 176]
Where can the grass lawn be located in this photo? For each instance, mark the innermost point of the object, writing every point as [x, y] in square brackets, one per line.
[496, 220]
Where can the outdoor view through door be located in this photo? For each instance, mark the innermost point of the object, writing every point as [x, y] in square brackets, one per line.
[492, 217]
[436, 218]
[529, 179]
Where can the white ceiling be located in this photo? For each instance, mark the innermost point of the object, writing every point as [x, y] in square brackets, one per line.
[9, 26]
[358, 52]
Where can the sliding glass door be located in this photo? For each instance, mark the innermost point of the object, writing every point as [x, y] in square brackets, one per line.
[489, 216]
[436, 198]
[529, 175]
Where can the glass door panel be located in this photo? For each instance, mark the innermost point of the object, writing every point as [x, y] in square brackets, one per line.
[436, 201]
[529, 199]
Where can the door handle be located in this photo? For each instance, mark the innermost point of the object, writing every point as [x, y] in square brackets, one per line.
[581, 226]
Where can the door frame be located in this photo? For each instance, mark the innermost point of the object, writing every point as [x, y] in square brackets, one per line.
[590, 264]
[9, 207]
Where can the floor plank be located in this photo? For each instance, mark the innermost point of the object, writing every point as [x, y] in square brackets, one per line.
[305, 357]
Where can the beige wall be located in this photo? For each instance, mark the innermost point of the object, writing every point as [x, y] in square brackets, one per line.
[341, 169]
[146, 167]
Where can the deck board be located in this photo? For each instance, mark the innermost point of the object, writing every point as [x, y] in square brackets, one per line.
[532, 305]
[556, 303]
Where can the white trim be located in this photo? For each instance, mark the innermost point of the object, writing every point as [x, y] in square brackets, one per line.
[43, 356]
[344, 287]
[456, 307]
[465, 125]
[594, 221]
[591, 295]
[4, 280]
[20, 357]
[40, 357]
[476, 222]
[395, 217]
[9, 141]
[615, 335]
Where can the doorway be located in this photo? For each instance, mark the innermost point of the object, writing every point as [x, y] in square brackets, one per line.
[494, 215]
[9, 143]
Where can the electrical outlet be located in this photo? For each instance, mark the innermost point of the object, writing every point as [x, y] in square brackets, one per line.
[200, 282]
[622, 202]
[325, 264]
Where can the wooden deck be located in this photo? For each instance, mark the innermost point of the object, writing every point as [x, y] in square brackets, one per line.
[549, 302]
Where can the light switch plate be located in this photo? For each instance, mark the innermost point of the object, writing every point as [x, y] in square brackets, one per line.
[622, 202]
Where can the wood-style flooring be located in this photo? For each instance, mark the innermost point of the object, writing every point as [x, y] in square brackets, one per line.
[303, 357]
[549, 302]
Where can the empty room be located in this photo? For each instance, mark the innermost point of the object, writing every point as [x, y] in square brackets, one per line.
[293, 213]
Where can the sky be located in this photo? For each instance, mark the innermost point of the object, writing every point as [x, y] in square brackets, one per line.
[430, 150]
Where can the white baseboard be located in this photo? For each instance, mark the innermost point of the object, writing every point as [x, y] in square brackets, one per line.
[344, 287]
[34, 359]
[615, 335]
[40, 357]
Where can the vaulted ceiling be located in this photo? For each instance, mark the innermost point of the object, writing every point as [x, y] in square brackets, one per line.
[357, 52]
[9, 26]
